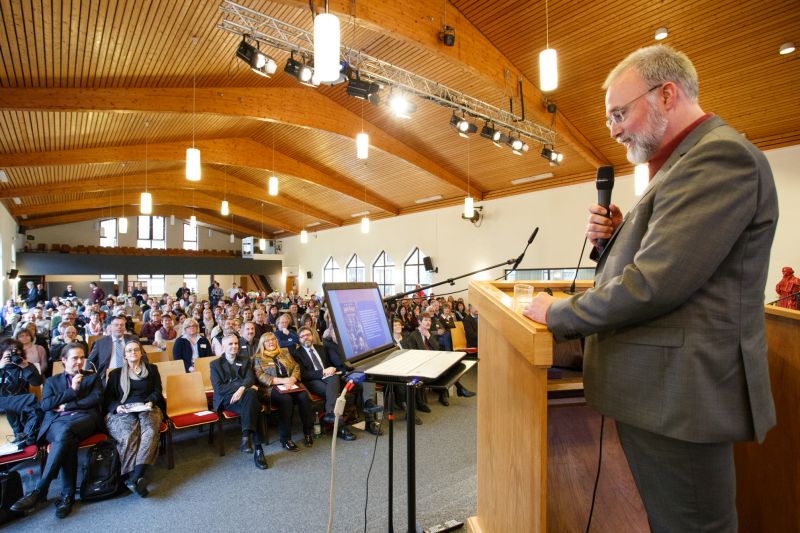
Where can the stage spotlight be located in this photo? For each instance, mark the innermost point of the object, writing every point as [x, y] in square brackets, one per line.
[363, 89]
[462, 126]
[259, 62]
[489, 132]
[401, 106]
[300, 71]
[551, 155]
[515, 144]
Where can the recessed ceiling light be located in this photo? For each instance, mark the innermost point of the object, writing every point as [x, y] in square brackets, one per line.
[428, 199]
[661, 33]
[24, 217]
[17, 200]
[360, 214]
[786, 48]
[312, 224]
[3, 176]
[278, 231]
[520, 181]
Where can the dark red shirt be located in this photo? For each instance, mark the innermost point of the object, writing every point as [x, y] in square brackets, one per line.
[660, 157]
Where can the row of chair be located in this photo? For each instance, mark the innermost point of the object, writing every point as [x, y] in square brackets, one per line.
[131, 250]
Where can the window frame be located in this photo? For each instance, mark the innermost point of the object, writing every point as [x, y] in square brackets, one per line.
[382, 265]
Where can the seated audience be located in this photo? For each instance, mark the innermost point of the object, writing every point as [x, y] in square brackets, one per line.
[71, 403]
[20, 405]
[166, 333]
[232, 378]
[260, 321]
[274, 366]
[109, 350]
[217, 342]
[95, 325]
[133, 407]
[191, 345]
[470, 322]
[70, 335]
[283, 332]
[149, 328]
[248, 342]
[33, 352]
[208, 323]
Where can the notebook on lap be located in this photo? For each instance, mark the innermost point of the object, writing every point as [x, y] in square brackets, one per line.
[365, 338]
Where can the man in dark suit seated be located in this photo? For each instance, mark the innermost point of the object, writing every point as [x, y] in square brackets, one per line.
[232, 378]
[71, 402]
[20, 405]
[470, 322]
[319, 376]
[109, 350]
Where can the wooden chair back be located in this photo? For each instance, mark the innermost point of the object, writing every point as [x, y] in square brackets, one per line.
[185, 393]
[158, 357]
[169, 368]
[170, 346]
[150, 348]
[58, 368]
[202, 366]
[37, 391]
[91, 340]
[459, 337]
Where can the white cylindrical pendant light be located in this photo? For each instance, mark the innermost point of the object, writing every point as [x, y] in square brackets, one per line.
[641, 177]
[469, 207]
[272, 186]
[192, 221]
[362, 145]
[146, 204]
[193, 164]
[233, 238]
[548, 70]
[365, 225]
[123, 225]
[303, 237]
[327, 41]
[225, 209]
[172, 220]
[262, 244]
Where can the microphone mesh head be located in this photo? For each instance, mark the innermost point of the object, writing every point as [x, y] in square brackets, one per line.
[605, 178]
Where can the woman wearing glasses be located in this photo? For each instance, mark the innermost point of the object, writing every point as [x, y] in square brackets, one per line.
[191, 345]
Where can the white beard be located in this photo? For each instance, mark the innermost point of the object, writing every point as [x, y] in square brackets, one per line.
[643, 146]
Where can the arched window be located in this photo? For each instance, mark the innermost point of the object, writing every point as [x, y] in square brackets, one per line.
[414, 272]
[330, 271]
[355, 271]
[383, 273]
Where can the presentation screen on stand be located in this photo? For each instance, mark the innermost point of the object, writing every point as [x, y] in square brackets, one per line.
[361, 324]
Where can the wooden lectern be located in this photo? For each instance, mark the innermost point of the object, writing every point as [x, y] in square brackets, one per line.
[515, 353]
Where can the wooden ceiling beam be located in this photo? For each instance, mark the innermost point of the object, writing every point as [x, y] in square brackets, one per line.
[131, 201]
[241, 152]
[160, 210]
[299, 106]
[417, 22]
[173, 180]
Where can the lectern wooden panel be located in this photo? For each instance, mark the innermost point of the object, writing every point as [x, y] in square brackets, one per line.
[515, 354]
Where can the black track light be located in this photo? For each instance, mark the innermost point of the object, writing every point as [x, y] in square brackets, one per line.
[365, 90]
[551, 155]
[494, 135]
[302, 72]
[259, 62]
[462, 126]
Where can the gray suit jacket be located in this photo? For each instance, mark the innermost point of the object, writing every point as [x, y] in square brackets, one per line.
[675, 322]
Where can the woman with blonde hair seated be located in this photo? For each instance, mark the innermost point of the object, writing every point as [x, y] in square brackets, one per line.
[274, 367]
[134, 408]
[191, 345]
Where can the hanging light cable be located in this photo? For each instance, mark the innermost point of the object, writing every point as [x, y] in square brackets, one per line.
[469, 207]
[193, 219]
[146, 201]
[193, 154]
[272, 183]
[123, 222]
[303, 232]
[365, 218]
[548, 59]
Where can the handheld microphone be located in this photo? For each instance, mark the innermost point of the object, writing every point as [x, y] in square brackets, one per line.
[605, 183]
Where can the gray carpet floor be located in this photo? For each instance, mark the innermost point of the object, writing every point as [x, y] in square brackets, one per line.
[206, 492]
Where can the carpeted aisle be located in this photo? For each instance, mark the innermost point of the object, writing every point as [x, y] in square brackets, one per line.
[206, 492]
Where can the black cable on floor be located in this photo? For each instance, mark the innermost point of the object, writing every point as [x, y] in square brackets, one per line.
[596, 479]
[374, 448]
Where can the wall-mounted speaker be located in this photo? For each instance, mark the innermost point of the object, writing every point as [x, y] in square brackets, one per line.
[428, 262]
[309, 275]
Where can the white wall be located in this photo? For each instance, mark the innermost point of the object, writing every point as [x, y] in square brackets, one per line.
[8, 242]
[457, 247]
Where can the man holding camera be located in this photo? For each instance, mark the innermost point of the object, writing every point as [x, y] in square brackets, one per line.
[20, 405]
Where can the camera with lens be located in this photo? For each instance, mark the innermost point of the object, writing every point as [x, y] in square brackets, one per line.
[17, 357]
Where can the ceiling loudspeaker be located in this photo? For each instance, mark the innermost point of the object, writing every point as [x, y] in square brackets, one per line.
[428, 262]
[309, 274]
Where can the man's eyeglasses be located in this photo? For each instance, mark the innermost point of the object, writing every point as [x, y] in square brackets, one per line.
[618, 115]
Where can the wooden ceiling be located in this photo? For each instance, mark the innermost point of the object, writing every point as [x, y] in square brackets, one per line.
[87, 87]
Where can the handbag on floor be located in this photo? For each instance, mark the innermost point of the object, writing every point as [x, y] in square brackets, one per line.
[10, 492]
[101, 477]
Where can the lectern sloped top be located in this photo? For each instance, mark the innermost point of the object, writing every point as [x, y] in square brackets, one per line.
[495, 301]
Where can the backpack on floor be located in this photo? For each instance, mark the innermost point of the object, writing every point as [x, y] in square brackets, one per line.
[10, 492]
[101, 477]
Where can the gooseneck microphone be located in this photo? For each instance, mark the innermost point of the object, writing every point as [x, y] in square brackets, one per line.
[519, 259]
[605, 183]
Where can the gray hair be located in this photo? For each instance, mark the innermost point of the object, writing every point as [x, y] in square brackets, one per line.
[657, 65]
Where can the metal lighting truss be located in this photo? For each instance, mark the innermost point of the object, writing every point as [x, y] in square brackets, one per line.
[262, 28]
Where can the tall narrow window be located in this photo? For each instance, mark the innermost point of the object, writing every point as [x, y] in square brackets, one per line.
[414, 272]
[383, 273]
[156, 284]
[191, 282]
[151, 232]
[330, 271]
[189, 237]
[108, 232]
[355, 271]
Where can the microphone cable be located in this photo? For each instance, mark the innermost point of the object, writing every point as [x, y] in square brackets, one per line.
[597, 478]
[372, 462]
